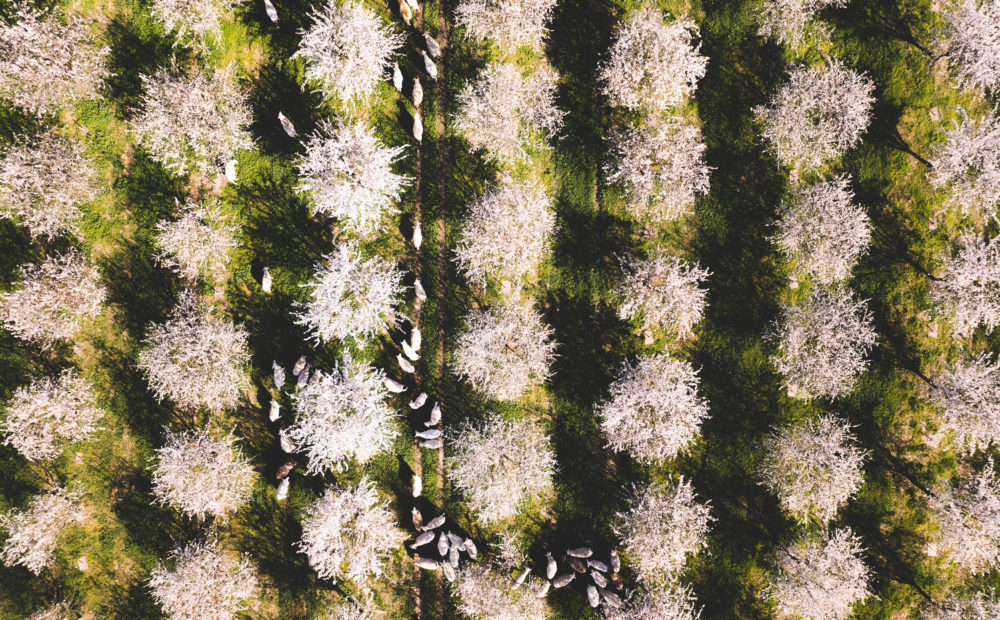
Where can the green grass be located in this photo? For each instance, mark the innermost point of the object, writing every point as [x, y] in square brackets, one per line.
[127, 533]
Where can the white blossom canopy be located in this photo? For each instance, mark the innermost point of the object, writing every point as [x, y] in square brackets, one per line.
[975, 606]
[967, 291]
[661, 166]
[58, 611]
[483, 593]
[349, 175]
[194, 359]
[42, 418]
[198, 242]
[505, 351]
[506, 234]
[511, 24]
[670, 602]
[654, 64]
[820, 578]
[348, 50]
[54, 299]
[351, 297]
[821, 231]
[814, 468]
[789, 22]
[33, 533]
[195, 20]
[972, 31]
[663, 527]
[967, 164]
[823, 343]
[193, 122]
[343, 416]
[967, 393]
[654, 411]
[199, 474]
[352, 610]
[499, 464]
[968, 519]
[43, 180]
[663, 293]
[206, 583]
[817, 115]
[347, 535]
[48, 64]
[507, 114]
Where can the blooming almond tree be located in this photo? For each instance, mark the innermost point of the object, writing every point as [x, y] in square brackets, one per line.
[511, 24]
[790, 21]
[972, 32]
[817, 115]
[347, 535]
[821, 231]
[484, 593]
[663, 293]
[48, 63]
[195, 360]
[968, 288]
[342, 416]
[661, 167]
[197, 20]
[968, 518]
[664, 526]
[499, 464]
[50, 413]
[669, 602]
[820, 578]
[654, 411]
[967, 164]
[42, 183]
[823, 343]
[206, 583]
[975, 606]
[33, 533]
[54, 299]
[200, 475]
[349, 175]
[193, 122]
[506, 233]
[348, 610]
[506, 113]
[58, 611]
[505, 351]
[814, 468]
[348, 50]
[351, 297]
[198, 242]
[654, 64]
[968, 395]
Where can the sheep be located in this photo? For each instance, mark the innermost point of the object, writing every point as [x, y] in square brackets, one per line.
[287, 125]
[418, 402]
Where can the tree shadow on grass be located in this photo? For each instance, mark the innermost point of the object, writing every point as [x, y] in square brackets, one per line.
[151, 527]
[16, 122]
[134, 601]
[268, 530]
[283, 37]
[737, 377]
[276, 90]
[138, 47]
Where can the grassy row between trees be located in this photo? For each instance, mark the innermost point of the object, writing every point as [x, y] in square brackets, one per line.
[128, 533]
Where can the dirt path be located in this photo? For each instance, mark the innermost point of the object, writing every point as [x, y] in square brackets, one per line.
[418, 457]
[441, 236]
[439, 291]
